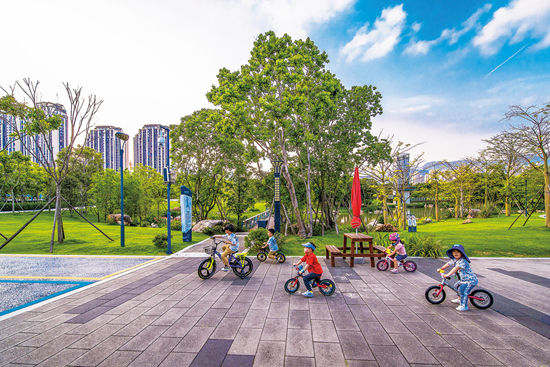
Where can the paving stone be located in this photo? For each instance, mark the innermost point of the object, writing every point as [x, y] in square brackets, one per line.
[14, 340]
[377, 306]
[212, 353]
[255, 319]
[87, 306]
[278, 311]
[96, 355]
[92, 325]
[270, 354]
[170, 316]
[324, 331]
[119, 359]
[471, 351]
[299, 319]
[388, 356]
[63, 358]
[362, 312]
[94, 338]
[133, 328]
[228, 328]
[125, 307]
[246, 342]
[449, 357]
[482, 338]
[354, 345]
[360, 363]
[51, 323]
[178, 360]
[299, 362]
[238, 360]
[526, 349]
[274, 329]
[212, 318]
[439, 324]
[14, 353]
[374, 333]
[319, 312]
[146, 337]
[427, 336]
[329, 355]
[297, 302]
[194, 340]
[412, 349]
[511, 358]
[129, 316]
[299, 343]
[405, 314]
[155, 353]
[180, 328]
[49, 335]
[47, 350]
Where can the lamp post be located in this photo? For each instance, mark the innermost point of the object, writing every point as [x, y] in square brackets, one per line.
[123, 138]
[277, 199]
[167, 178]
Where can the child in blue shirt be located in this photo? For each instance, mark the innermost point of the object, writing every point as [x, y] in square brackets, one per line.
[232, 244]
[468, 280]
[272, 243]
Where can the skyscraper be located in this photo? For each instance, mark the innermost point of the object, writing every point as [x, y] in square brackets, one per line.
[147, 150]
[103, 140]
[41, 147]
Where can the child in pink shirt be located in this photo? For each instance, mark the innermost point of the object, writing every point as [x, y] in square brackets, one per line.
[399, 252]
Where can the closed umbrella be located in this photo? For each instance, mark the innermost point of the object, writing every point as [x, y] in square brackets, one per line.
[356, 201]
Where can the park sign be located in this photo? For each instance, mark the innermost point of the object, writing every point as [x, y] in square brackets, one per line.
[186, 213]
[411, 222]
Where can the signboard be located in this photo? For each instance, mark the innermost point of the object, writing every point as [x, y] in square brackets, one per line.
[411, 222]
[186, 203]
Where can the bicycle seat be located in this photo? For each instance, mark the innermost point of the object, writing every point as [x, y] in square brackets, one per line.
[242, 254]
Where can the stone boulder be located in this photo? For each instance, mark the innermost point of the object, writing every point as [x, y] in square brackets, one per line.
[116, 217]
[386, 228]
[473, 213]
[467, 221]
[200, 226]
[428, 220]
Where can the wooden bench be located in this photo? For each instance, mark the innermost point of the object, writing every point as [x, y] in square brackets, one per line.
[333, 251]
[380, 248]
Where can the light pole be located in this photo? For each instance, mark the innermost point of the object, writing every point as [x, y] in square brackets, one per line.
[167, 178]
[277, 197]
[123, 138]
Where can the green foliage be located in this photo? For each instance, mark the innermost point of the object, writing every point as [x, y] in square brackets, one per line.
[487, 210]
[424, 246]
[256, 238]
[161, 241]
[445, 214]
[210, 231]
[175, 225]
[111, 221]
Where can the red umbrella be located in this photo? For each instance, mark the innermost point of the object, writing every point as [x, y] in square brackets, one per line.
[356, 200]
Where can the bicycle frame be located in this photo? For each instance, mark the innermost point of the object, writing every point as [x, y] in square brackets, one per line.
[452, 286]
[230, 259]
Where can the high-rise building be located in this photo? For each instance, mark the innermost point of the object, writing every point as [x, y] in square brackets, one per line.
[147, 150]
[103, 140]
[42, 147]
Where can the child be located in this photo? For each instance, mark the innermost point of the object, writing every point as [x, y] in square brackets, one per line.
[399, 250]
[232, 244]
[468, 279]
[312, 265]
[272, 244]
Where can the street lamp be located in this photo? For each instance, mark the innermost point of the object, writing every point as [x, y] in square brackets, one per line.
[123, 137]
[277, 195]
[167, 179]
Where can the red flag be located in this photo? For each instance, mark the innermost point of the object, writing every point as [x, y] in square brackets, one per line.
[356, 200]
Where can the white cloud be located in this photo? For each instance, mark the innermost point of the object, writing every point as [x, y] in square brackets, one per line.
[381, 39]
[520, 20]
[452, 35]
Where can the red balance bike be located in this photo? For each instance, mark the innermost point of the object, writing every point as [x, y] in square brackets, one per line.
[326, 286]
[480, 298]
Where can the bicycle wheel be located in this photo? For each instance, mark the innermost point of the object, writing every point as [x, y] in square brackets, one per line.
[432, 297]
[382, 265]
[410, 266]
[486, 299]
[261, 256]
[281, 258]
[292, 285]
[207, 268]
[244, 267]
[326, 287]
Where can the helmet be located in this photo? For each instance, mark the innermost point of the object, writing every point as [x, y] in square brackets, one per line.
[394, 236]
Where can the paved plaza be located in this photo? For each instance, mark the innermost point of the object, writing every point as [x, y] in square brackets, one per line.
[162, 314]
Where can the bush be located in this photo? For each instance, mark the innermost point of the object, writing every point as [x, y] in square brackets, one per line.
[175, 213]
[161, 241]
[256, 238]
[111, 221]
[425, 246]
[210, 231]
[445, 214]
[251, 210]
[487, 210]
[175, 225]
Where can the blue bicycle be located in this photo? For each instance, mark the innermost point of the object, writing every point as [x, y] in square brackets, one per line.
[241, 265]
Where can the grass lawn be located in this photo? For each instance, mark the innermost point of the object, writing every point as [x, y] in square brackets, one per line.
[483, 237]
[81, 238]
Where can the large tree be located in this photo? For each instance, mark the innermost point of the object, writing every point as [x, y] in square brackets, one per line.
[35, 134]
[283, 100]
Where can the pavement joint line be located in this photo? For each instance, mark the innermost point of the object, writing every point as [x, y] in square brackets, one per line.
[85, 256]
[86, 287]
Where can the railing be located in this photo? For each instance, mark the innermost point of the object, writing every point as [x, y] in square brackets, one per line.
[253, 221]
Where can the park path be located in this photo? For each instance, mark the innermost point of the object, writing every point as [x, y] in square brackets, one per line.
[162, 314]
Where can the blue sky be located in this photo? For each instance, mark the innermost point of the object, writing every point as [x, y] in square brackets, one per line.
[447, 70]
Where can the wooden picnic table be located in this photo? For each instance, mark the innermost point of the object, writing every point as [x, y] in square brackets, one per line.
[363, 250]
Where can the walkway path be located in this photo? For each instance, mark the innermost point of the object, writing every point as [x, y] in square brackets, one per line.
[162, 314]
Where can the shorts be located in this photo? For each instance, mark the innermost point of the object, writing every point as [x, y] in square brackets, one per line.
[400, 257]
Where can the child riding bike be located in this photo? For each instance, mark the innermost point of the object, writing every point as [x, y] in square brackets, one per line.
[313, 266]
[468, 280]
[232, 244]
[399, 253]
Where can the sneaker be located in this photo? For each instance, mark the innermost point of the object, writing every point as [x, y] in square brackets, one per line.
[308, 294]
[456, 300]
[225, 268]
[395, 271]
[462, 308]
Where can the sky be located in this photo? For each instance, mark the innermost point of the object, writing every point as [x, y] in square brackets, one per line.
[447, 70]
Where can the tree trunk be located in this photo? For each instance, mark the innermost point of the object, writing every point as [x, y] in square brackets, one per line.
[60, 232]
[436, 204]
[384, 204]
[309, 206]
[293, 198]
[547, 195]
[12, 202]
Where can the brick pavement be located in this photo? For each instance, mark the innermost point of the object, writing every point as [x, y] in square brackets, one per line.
[164, 315]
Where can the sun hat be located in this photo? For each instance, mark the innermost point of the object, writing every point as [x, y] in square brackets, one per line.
[309, 245]
[459, 248]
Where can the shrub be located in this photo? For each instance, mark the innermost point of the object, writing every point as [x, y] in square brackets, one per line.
[175, 213]
[175, 225]
[445, 214]
[210, 231]
[253, 210]
[487, 210]
[380, 239]
[161, 241]
[425, 246]
[256, 238]
[111, 221]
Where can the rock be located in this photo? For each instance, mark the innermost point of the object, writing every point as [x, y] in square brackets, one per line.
[386, 228]
[467, 221]
[428, 220]
[116, 217]
[200, 226]
[473, 213]
[153, 225]
[469, 217]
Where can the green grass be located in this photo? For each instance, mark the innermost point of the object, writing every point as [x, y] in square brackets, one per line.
[483, 237]
[81, 238]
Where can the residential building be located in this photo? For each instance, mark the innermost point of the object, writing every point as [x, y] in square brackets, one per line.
[103, 140]
[146, 147]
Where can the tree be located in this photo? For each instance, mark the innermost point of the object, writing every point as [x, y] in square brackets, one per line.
[239, 194]
[39, 123]
[459, 176]
[104, 193]
[281, 101]
[534, 136]
[13, 171]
